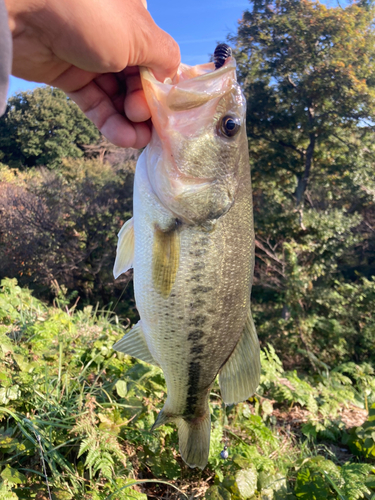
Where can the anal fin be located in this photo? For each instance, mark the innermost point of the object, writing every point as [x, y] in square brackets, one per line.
[240, 376]
[134, 344]
[162, 419]
[125, 249]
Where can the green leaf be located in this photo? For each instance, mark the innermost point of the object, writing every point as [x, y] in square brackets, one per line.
[129, 493]
[13, 475]
[310, 486]
[6, 493]
[217, 493]
[272, 481]
[246, 480]
[9, 394]
[267, 407]
[121, 388]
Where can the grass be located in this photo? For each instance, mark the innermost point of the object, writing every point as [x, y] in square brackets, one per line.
[75, 420]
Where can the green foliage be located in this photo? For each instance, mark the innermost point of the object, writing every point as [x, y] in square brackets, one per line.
[217, 493]
[324, 395]
[307, 72]
[361, 440]
[58, 401]
[320, 478]
[308, 77]
[41, 128]
[72, 403]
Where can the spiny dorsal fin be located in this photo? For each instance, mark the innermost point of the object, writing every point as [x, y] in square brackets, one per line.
[125, 249]
[239, 377]
[134, 344]
[165, 260]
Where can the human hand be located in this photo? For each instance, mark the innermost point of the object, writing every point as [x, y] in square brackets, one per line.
[92, 49]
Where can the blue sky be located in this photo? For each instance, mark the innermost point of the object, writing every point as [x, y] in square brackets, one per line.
[195, 24]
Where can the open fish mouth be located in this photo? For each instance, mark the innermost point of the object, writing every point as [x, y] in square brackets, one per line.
[192, 86]
[187, 115]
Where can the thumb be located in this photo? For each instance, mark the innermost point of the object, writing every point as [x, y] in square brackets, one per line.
[164, 55]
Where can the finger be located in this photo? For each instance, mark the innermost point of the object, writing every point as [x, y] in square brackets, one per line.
[109, 84]
[114, 89]
[72, 79]
[143, 131]
[98, 107]
[154, 48]
[135, 105]
[163, 55]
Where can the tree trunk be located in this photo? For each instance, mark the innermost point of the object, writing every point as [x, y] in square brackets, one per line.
[304, 178]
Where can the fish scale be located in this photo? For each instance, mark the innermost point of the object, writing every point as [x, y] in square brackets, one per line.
[191, 244]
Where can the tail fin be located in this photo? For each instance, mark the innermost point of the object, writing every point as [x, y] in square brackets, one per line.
[194, 436]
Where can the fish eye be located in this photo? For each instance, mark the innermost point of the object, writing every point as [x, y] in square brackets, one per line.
[229, 126]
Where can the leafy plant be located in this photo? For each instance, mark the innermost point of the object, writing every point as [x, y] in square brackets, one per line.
[361, 440]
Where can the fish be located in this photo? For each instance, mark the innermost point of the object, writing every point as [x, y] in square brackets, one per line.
[191, 245]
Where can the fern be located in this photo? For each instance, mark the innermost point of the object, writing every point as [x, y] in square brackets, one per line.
[272, 368]
[103, 463]
[312, 404]
[102, 448]
[86, 444]
[85, 422]
[354, 476]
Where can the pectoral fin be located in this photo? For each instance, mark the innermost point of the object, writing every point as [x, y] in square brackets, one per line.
[134, 344]
[239, 377]
[125, 249]
[165, 260]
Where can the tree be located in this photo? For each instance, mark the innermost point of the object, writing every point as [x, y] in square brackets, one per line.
[309, 79]
[41, 127]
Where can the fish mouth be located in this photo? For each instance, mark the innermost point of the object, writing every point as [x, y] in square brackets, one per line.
[192, 86]
[184, 113]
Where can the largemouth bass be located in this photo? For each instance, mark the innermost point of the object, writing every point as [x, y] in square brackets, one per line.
[191, 244]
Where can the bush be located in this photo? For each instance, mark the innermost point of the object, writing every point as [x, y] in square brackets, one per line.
[61, 227]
